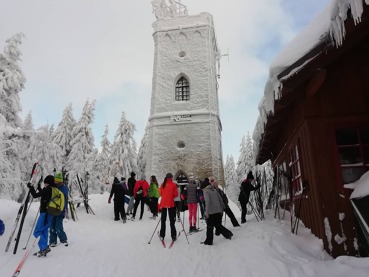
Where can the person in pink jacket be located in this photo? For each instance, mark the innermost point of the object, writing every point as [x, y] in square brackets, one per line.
[168, 191]
[140, 194]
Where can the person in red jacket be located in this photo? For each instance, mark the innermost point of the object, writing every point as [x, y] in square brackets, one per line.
[168, 191]
[140, 194]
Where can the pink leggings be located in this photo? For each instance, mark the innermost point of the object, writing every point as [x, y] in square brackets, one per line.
[192, 209]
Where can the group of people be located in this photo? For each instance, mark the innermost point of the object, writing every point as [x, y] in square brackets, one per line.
[212, 200]
[46, 222]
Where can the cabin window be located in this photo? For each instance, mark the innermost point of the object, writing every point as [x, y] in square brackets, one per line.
[182, 90]
[353, 153]
[295, 169]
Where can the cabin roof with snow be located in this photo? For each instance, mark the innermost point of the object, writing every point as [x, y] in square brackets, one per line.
[328, 36]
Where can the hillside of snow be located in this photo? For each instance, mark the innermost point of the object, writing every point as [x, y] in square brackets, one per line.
[100, 246]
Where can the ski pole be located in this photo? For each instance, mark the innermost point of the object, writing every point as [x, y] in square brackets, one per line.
[154, 231]
[33, 226]
[184, 231]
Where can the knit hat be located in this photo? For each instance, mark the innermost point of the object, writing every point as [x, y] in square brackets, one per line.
[58, 178]
[133, 174]
[49, 180]
[250, 176]
[169, 175]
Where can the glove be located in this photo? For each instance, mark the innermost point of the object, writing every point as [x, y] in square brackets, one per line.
[29, 185]
[183, 197]
[109, 201]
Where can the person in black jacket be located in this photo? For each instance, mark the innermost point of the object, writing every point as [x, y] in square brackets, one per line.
[44, 220]
[131, 185]
[119, 193]
[245, 189]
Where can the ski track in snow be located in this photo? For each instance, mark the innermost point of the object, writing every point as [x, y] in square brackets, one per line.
[100, 246]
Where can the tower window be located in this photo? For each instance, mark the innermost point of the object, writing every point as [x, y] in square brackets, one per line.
[182, 90]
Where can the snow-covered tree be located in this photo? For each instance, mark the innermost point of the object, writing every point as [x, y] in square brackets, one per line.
[123, 154]
[94, 180]
[44, 150]
[82, 143]
[28, 122]
[11, 83]
[246, 161]
[12, 80]
[63, 134]
[10, 186]
[230, 175]
[264, 174]
[142, 154]
[103, 161]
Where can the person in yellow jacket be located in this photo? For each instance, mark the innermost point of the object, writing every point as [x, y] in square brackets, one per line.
[168, 191]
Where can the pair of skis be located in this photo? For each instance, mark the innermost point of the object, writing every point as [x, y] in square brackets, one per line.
[22, 212]
[164, 244]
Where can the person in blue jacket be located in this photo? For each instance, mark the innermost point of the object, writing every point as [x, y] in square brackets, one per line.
[56, 228]
[2, 227]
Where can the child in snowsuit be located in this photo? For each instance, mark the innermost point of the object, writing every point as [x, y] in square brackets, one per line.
[154, 196]
[191, 192]
[44, 220]
[56, 228]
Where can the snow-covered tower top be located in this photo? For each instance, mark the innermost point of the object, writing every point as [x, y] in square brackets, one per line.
[163, 10]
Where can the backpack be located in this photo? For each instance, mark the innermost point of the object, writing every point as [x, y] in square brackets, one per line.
[56, 203]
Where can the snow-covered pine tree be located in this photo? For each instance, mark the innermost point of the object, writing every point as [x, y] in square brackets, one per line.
[232, 184]
[12, 80]
[94, 176]
[246, 161]
[123, 154]
[10, 187]
[44, 150]
[103, 162]
[142, 153]
[63, 134]
[25, 142]
[82, 143]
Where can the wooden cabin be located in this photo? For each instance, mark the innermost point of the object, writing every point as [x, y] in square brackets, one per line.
[318, 135]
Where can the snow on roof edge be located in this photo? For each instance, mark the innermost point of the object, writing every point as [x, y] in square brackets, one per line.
[330, 22]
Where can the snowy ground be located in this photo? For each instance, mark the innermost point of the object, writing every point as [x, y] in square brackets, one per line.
[99, 246]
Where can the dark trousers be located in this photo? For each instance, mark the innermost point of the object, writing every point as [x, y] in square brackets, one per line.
[57, 230]
[139, 199]
[154, 206]
[178, 206]
[244, 210]
[172, 220]
[230, 214]
[202, 208]
[215, 221]
[119, 209]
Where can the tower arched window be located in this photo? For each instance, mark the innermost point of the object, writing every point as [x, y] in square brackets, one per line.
[182, 90]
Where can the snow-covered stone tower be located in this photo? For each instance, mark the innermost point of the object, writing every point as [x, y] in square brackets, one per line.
[184, 134]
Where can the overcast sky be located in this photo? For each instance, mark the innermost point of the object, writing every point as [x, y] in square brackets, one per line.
[76, 50]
